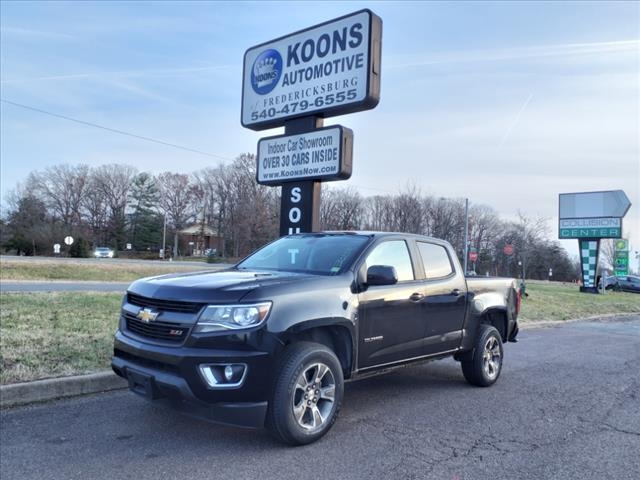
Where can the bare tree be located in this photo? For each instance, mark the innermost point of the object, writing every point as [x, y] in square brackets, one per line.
[484, 229]
[178, 199]
[252, 209]
[63, 188]
[607, 253]
[341, 209]
[409, 211]
[95, 212]
[216, 185]
[446, 220]
[114, 183]
[379, 213]
[529, 232]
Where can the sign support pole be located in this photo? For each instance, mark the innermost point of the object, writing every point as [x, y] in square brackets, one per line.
[589, 250]
[300, 202]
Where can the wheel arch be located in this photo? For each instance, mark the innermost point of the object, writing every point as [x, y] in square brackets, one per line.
[498, 318]
[337, 337]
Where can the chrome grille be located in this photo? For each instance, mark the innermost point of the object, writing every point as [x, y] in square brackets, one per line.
[170, 332]
[166, 305]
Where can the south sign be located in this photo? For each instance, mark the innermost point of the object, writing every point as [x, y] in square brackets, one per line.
[326, 70]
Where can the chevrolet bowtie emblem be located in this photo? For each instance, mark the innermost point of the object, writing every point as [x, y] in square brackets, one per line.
[147, 315]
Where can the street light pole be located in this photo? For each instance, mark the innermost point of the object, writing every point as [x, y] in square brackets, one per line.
[164, 237]
[466, 233]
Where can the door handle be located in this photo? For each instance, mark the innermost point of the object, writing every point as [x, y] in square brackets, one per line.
[455, 292]
[416, 297]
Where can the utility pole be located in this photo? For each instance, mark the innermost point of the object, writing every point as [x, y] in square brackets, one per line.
[466, 234]
[164, 237]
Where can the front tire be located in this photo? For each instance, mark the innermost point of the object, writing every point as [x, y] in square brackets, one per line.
[484, 365]
[307, 394]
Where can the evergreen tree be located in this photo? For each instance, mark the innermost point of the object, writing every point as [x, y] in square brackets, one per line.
[145, 228]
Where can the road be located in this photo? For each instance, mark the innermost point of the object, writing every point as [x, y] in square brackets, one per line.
[109, 261]
[566, 407]
[62, 286]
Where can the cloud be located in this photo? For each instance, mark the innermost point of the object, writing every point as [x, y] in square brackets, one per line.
[515, 121]
[95, 75]
[532, 52]
[30, 33]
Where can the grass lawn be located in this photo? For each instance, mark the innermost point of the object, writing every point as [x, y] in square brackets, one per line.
[103, 271]
[558, 301]
[55, 334]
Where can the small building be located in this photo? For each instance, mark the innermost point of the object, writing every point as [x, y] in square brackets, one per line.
[197, 239]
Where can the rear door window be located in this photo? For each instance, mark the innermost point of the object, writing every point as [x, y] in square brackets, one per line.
[435, 260]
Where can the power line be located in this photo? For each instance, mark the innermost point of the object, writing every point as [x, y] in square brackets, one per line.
[113, 130]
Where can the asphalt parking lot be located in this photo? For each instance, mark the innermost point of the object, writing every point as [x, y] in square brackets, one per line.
[566, 407]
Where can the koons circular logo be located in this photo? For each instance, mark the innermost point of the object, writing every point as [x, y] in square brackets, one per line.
[266, 72]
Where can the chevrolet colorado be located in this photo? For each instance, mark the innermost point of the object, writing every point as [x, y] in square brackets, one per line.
[270, 341]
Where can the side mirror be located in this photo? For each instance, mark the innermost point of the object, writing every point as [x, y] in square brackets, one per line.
[381, 275]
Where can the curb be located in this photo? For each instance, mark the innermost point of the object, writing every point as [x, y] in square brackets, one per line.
[603, 317]
[52, 388]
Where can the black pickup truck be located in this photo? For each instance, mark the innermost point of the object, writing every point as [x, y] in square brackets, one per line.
[270, 341]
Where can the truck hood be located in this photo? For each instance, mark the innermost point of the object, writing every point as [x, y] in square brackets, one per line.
[221, 286]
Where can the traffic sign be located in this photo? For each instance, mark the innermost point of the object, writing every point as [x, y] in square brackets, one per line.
[68, 240]
[508, 249]
[473, 256]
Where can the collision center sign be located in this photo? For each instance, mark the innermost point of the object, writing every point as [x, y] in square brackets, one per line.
[601, 227]
[323, 154]
[326, 70]
[592, 214]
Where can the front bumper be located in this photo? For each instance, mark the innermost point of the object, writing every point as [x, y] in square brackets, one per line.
[168, 376]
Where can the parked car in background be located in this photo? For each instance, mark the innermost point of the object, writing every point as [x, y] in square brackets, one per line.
[103, 252]
[610, 283]
[629, 283]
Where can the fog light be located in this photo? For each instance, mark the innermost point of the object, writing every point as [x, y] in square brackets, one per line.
[223, 375]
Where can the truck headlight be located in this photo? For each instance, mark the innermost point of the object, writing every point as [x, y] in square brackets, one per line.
[232, 317]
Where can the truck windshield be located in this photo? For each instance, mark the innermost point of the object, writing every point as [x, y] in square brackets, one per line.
[321, 254]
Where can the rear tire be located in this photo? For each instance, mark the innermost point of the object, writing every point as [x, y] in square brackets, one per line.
[482, 368]
[307, 394]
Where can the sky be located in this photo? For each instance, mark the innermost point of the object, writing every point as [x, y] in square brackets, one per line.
[507, 104]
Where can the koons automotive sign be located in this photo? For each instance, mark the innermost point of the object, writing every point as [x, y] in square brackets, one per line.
[326, 70]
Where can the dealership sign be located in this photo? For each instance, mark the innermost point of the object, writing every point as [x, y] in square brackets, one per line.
[589, 217]
[326, 70]
[592, 214]
[323, 154]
